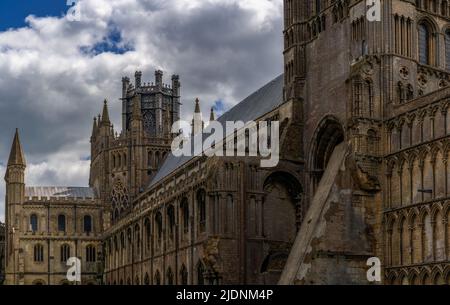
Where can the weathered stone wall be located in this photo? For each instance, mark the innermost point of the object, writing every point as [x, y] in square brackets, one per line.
[52, 269]
[2, 252]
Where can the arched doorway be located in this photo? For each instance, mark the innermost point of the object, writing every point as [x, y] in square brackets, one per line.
[282, 216]
[328, 135]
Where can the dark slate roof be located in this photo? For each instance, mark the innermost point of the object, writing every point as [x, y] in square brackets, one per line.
[253, 107]
[59, 191]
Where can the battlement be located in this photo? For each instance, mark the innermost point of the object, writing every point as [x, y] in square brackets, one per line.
[62, 200]
[150, 87]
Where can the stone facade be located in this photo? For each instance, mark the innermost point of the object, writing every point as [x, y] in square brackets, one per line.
[381, 87]
[47, 225]
[219, 220]
[2, 252]
[364, 141]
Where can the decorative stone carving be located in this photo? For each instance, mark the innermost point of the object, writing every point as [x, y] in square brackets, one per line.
[422, 80]
[404, 73]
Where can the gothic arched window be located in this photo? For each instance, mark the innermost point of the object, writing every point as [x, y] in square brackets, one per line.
[65, 253]
[148, 234]
[185, 212]
[200, 274]
[137, 236]
[447, 49]
[34, 223]
[201, 205]
[435, 6]
[444, 8]
[119, 198]
[149, 123]
[157, 278]
[424, 44]
[90, 254]
[158, 220]
[129, 244]
[87, 224]
[171, 219]
[357, 96]
[169, 276]
[61, 223]
[370, 99]
[184, 275]
[122, 241]
[39, 253]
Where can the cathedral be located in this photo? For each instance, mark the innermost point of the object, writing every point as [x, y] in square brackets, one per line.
[364, 138]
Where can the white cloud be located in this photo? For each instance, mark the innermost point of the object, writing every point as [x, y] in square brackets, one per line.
[51, 85]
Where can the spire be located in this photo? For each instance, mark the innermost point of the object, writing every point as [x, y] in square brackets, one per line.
[16, 156]
[197, 121]
[197, 105]
[94, 127]
[137, 114]
[212, 116]
[105, 115]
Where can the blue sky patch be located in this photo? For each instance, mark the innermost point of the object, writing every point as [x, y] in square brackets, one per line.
[14, 12]
[112, 43]
[219, 107]
[85, 158]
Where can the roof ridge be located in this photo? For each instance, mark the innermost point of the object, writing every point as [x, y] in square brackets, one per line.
[253, 94]
[57, 186]
[254, 106]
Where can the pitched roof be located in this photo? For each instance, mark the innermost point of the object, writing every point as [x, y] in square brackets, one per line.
[59, 191]
[251, 108]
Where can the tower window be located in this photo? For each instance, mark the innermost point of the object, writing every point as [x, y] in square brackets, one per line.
[65, 253]
[61, 223]
[39, 253]
[34, 223]
[424, 44]
[87, 224]
[90, 254]
[447, 49]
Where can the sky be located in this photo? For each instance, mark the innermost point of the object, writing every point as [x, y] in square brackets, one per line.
[59, 62]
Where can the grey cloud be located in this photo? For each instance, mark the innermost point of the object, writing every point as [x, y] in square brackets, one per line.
[218, 49]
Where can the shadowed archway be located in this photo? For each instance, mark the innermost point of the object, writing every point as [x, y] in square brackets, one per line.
[328, 135]
[282, 214]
